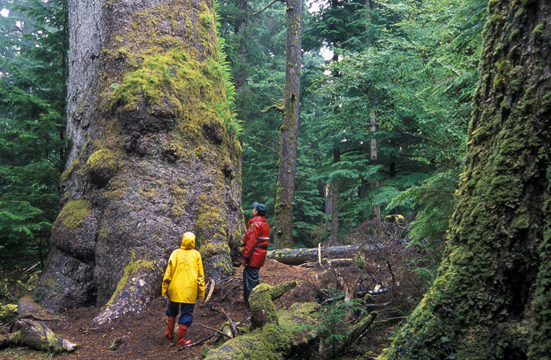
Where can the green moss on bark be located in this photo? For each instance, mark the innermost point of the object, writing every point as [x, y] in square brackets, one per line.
[75, 213]
[483, 304]
[129, 270]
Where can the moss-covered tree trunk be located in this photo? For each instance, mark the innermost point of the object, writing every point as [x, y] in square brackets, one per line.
[289, 129]
[152, 154]
[491, 299]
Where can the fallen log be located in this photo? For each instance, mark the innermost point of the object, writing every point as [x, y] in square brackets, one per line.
[25, 331]
[356, 331]
[261, 302]
[282, 334]
[332, 262]
[301, 256]
[35, 336]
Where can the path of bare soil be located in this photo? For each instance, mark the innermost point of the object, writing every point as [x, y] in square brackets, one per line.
[142, 334]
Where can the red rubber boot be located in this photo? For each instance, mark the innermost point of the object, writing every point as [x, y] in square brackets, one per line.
[182, 329]
[170, 332]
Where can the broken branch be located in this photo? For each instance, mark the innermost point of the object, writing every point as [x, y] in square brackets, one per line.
[213, 329]
[232, 325]
[196, 343]
[267, 6]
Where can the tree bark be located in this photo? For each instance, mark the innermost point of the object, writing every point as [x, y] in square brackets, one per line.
[289, 130]
[328, 206]
[150, 155]
[373, 148]
[491, 300]
[242, 53]
[334, 237]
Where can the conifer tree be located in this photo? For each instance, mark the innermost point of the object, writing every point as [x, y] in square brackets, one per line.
[491, 298]
[33, 72]
[153, 154]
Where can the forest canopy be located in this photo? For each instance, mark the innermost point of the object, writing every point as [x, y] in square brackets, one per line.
[410, 65]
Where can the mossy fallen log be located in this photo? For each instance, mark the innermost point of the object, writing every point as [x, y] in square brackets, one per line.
[28, 308]
[261, 302]
[25, 330]
[280, 334]
[302, 256]
[36, 336]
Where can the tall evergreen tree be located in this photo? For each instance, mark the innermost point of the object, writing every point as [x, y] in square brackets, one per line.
[33, 72]
[153, 153]
[285, 195]
[491, 299]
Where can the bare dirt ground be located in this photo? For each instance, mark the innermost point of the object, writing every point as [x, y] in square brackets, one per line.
[142, 334]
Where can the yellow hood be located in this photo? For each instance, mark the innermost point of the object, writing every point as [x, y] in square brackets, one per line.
[188, 241]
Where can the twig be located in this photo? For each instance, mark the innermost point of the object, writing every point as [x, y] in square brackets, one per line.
[277, 107]
[196, 343]
[267, 138]
[267, 6]
[213, 329]
[232, 325]
[264, 146]
[390, 319]
[31, 268]
[378, 305]
[227, 293]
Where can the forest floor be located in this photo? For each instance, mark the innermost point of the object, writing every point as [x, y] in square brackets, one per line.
[141, 336]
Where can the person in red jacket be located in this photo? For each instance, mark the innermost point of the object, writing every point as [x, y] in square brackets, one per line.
[255, 247]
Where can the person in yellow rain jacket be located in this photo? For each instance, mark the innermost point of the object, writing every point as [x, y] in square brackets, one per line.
[183, 283]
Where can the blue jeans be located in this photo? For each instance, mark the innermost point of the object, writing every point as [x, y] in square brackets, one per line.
[186, 312]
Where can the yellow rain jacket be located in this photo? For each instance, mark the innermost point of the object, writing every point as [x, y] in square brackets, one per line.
[184, 278]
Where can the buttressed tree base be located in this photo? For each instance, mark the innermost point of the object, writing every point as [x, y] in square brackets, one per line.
[153, 153]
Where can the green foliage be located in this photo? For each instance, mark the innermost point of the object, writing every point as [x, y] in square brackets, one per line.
[416, 76]
[262, 69]
[334, 321]
[33, 70]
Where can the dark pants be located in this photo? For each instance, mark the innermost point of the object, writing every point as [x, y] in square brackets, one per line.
[186, 312]
[250, 281]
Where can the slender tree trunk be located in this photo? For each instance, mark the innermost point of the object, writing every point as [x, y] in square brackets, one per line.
[334, 238]
[373, 147]
[242, 53]
[149, 158]
[289, 129]
[328, 206]
[491, 300]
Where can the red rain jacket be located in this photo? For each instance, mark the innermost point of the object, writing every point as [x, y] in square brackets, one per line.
[255, 241]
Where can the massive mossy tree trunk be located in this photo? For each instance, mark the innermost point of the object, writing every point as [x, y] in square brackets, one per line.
[151, 155]
[491, 300]
[289, 129]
